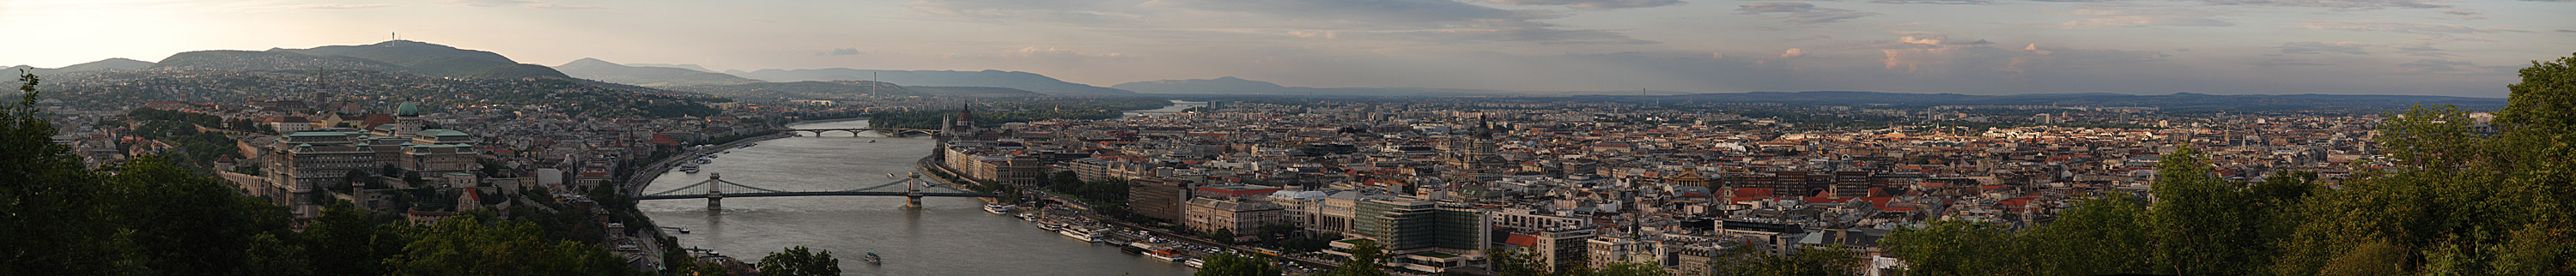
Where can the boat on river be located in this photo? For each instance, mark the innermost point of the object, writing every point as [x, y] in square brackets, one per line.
[1085, 234]
[997, 209]
[872, 258]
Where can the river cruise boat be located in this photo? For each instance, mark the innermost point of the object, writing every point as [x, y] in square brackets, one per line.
[689, 169]
[1166, 255]
[1196, 263]
[1082, 233]
[997, 209]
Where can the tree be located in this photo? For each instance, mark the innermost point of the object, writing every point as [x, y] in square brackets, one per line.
[2200, 220]
[188, 224]
[49, 203]
[1367, 259]
[1516, 263]
[347, 241]
[466, 246]
[2448, 200]
[1236, 265]
[798, 261]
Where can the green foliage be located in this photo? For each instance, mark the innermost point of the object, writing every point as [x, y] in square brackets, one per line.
[465, 246]
[190, 225]
[2103, 235]
[1367, 259]
[1236, 265]
[1104, 192]
[50, 204]
[2447, 200]
[153, 216]
[799, 261]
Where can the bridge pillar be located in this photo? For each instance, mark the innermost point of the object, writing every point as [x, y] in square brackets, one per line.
[715, 199]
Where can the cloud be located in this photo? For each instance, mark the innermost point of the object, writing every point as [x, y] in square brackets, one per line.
[1491, 30]
[841, 52]
[1945, 2]
[1053, 53]
[562, 6]
[341, 6]
[2566, 31]
[491, 3]
[2286, 62]
[1436, 21]
[518, 3]
[1935, 57]
[1801, 13]
[2334, 4]
[2141, 18]
[2449, 66]
[2421, 50]
[2316, 47]
[2445, 32]
[1594, 4]
[1793, 53]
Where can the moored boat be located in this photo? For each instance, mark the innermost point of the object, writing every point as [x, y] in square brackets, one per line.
[1081, 233]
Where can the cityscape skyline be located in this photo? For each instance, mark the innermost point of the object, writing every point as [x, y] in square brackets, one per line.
[1975, 47]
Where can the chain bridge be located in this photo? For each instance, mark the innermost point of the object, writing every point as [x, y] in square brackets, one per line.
[715, 195]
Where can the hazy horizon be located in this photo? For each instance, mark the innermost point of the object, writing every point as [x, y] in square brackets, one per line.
[2406, 47]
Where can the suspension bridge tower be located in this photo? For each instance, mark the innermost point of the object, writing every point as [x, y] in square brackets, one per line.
[715, 199]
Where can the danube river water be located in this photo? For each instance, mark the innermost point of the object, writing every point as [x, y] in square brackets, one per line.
[947, 236]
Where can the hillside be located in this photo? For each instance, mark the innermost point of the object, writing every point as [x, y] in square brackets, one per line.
[94, 66]
[1238, 86]
[601, 70]
[988, 78]
[802, 90]
[257, 60]
[435, 60]
[970, 91]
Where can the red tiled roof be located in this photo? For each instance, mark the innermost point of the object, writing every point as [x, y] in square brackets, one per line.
[1524, 240]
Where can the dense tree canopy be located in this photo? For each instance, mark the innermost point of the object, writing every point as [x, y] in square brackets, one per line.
[799, 261]
[153, 216]
[2448, 199]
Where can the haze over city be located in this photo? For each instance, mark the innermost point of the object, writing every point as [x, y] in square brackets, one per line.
[2462, 48]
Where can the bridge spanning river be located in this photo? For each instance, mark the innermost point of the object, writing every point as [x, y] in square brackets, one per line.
[715, 196]
[945, 236]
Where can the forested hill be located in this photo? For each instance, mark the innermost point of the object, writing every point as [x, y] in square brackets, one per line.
[602, 70]
[436, 60]
[987, 78]
[801, 90]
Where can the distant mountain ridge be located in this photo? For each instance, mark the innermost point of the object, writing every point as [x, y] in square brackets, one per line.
[844, 90]
[436, 60]
[595, 69]
[987, 78]
[112, 64]
[1239, 86]
[391, 56]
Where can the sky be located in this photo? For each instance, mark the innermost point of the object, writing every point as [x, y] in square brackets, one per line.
[2413, 47]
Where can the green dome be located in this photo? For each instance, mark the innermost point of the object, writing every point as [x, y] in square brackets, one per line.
[408, 109]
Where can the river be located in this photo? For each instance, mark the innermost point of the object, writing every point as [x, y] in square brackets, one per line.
[947, 236]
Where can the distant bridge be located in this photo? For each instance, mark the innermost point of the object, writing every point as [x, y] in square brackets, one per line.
[715, 197]
[854, 132]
